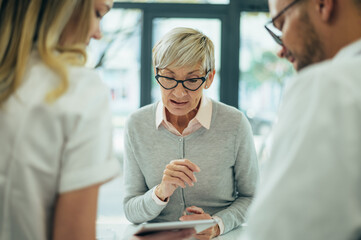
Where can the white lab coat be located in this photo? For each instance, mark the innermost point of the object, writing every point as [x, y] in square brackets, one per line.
[48, 149]
[311, 186]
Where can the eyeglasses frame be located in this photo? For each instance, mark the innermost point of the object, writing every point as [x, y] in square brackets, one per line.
[157, 76]
[278, 39]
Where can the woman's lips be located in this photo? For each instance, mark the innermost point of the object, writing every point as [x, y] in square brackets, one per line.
[178, 103]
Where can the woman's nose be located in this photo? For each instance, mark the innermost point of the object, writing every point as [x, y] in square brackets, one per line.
[96, 33]
[179, 91]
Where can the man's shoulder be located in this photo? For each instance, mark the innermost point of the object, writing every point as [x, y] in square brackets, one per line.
[330, 84]
[340, 74]
[332, 68]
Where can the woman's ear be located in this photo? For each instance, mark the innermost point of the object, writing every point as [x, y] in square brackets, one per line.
[210, 78]
[155, 70]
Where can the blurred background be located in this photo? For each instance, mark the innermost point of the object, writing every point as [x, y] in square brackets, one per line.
[249, 75]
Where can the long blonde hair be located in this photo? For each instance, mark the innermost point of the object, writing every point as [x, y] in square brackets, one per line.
[38, 24]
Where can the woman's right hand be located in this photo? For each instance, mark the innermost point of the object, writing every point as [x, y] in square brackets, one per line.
[176, 174]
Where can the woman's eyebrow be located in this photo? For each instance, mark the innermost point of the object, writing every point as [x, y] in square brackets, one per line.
[194, 71]
[168, 70]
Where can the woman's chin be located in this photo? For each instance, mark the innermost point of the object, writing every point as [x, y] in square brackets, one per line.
[177, 112]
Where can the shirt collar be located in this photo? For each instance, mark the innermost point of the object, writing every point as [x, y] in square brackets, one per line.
[349, 50]
[203, 116]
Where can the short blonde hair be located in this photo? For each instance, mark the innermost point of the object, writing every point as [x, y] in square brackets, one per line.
[184, 47]
[28, 24]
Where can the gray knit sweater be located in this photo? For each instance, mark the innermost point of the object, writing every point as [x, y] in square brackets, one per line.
[225, 154]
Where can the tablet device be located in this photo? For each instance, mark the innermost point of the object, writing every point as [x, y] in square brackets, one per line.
[198, 225]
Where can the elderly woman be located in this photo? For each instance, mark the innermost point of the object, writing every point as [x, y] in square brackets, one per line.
[188, 153]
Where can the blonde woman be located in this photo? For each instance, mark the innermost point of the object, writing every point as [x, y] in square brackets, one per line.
[55, 140]
[188, 157]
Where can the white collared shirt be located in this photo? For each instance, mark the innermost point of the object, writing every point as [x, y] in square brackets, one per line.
[202, 118]
[310, 188]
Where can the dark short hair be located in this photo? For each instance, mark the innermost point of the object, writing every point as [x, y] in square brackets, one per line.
[358, 3]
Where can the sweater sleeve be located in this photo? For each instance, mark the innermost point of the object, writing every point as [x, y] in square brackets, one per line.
[246, 178]
[138, 203]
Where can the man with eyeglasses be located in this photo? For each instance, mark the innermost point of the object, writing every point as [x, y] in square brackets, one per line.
[301, 46]
[311, 185]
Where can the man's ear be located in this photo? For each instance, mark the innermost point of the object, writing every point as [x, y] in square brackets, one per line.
[325, 9]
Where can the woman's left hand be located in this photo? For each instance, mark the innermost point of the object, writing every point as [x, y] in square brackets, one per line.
[199, 214]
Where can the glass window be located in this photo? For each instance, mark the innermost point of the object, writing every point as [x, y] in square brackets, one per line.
[178, 1]
[117, 59]
[210, 27]
[262, 78]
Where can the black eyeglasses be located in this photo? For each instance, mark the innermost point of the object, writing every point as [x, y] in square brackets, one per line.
[271, 28]
[191, 84]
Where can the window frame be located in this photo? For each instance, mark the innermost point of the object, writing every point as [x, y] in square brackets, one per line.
[228, 14]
